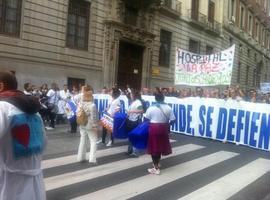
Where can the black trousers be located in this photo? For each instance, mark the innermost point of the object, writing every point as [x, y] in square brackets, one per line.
[52, 117]
[104, 134]
[73, 126]
[156, 160]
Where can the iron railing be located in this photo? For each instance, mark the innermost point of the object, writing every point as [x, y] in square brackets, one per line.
[168, 4]
[197, 17]
[214, 26]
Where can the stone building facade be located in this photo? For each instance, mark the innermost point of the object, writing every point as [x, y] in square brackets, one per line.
[103, 42]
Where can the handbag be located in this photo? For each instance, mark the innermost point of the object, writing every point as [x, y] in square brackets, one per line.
[139, 135]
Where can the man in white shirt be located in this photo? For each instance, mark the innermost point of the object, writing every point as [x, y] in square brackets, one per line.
[64, 94]
[53, 98]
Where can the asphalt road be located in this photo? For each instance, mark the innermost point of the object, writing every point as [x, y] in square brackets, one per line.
[198, 169]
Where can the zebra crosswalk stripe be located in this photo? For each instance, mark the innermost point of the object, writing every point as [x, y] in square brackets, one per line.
[135, 187]
[65, 160]
[230, 184]
[58, 181]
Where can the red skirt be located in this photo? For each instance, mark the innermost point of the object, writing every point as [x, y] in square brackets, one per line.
[158, 139]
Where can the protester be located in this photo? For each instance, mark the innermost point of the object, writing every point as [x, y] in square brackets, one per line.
[160, 116]
[199, 92]
[114, 107]
[104, 131]
[90, 128]
[44, 89]
[20, 155]
[64, 95]
[70, 109]
[135, 112]
[53, 98]
[172, 92]
[27, 89]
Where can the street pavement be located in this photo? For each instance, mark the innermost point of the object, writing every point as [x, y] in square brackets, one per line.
[198, 169]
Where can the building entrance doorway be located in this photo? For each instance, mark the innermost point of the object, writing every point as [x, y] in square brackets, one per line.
[75, 84]
[130, 65]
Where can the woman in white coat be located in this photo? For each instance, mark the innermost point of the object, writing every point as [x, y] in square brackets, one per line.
[90, 129]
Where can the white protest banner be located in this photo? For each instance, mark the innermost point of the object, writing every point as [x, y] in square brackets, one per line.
[204, 70]
[265, 87]
[224, 120]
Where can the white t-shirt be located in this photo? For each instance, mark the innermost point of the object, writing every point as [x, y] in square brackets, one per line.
[135, 105]
[53, 96]
[155, 115]
[64, 95]
[114, 107]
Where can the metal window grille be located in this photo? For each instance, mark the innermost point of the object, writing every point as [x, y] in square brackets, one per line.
[10, 17]
[78, 24]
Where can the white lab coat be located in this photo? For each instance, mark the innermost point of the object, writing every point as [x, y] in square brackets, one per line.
[20, 179]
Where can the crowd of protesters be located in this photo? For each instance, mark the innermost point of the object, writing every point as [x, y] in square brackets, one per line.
[54, 100]
[232, 92]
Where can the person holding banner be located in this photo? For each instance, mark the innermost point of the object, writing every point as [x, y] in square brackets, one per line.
[135, 112]
[160, 116]
[114, 107]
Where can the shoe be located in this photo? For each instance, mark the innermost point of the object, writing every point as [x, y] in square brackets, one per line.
[93, 162]
[237, 143]
[99, 141]
[49, 128]
[154, 171]
[133, 155]
[109, 144]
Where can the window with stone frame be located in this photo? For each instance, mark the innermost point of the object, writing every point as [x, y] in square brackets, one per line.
[211, 11]
[194, 46]
[209, 50]
[10, 17]
[78, 24]
[250, 24]
[131, 15]
[165, 48]
[195, 9]
[242, 18]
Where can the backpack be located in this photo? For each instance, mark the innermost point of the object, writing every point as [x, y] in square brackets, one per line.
[81, 117]
[27, 135]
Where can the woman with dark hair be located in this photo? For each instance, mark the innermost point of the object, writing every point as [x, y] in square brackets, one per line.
[114, 107]
[135, 112]
[160, 116]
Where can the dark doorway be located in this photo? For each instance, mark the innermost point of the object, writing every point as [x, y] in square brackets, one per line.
[75, 83]
[130, 65]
